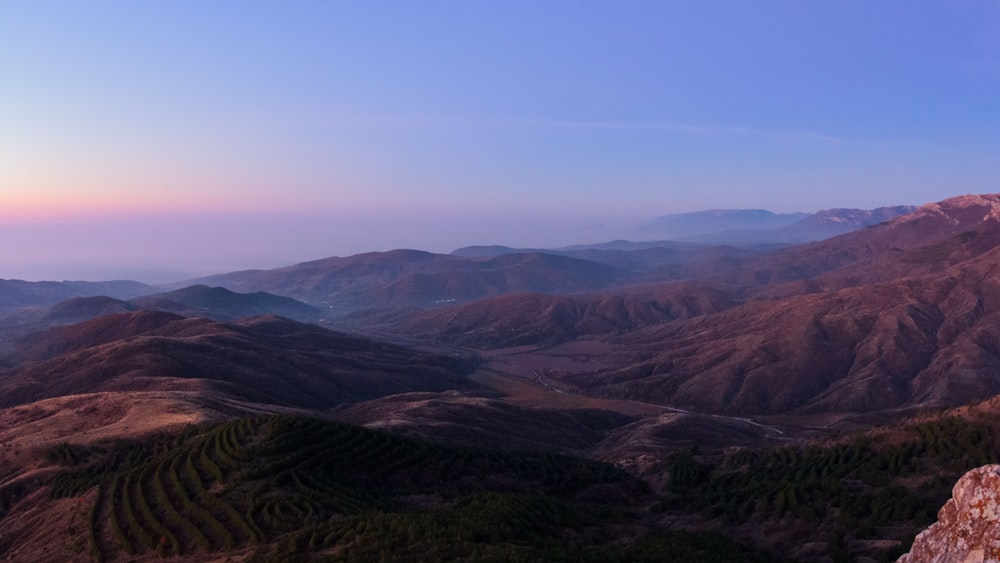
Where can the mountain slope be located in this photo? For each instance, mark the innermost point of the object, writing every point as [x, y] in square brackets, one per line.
[539, 319]
[484, 422]
[928, 341]
[221, 304]
[80, 309]
[196, 301]
[896, 316]
[291, 489]
[263, 359]
[404, 278]
[931, 239]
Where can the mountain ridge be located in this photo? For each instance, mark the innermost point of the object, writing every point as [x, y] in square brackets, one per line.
[264, 359]
[757, 227]
[899, 315]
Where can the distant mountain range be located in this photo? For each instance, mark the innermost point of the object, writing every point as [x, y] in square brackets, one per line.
[412, 278]
[755, 227]
[879, 318]
[711, 221]
[19, 293]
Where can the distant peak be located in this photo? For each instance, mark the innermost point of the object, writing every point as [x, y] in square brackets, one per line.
[859, 217]
[972, 199]
[716, 220]
[727, 212]
[964, 202]
[406, 253]
[958, 209]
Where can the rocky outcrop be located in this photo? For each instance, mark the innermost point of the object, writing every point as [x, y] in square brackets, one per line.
[968, 526]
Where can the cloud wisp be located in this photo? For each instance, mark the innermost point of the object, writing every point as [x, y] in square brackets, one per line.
[699, 129]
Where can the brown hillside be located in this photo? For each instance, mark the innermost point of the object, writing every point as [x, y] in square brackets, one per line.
[928, 341]
[263, 359]
[539, 319]
[404, 278]
[930, 240]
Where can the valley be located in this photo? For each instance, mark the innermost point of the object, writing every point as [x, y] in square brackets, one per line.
[500, 282]
[624, 401]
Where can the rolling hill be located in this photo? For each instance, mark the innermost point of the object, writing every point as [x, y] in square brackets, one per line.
[195, 301]
[265, 359]
[544, 320]
[218, 303]
[18, 293]
[403, 278]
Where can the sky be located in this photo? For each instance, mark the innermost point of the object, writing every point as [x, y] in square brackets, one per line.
[163, 140]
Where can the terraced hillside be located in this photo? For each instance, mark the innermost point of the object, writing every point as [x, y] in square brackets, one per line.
[281, 487]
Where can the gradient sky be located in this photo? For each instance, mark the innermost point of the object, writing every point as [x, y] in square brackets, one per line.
[167, 139]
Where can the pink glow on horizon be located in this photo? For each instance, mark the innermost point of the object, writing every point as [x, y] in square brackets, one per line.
[92, 205]
[162, 246]
[89, 207]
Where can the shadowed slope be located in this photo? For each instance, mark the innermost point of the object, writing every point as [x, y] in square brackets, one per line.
[197, 301]
[293, 489]
[263, 359]
[484, 422]
[84, 308]
[221, 304]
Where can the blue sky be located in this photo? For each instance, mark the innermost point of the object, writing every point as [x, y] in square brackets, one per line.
[440, 124]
